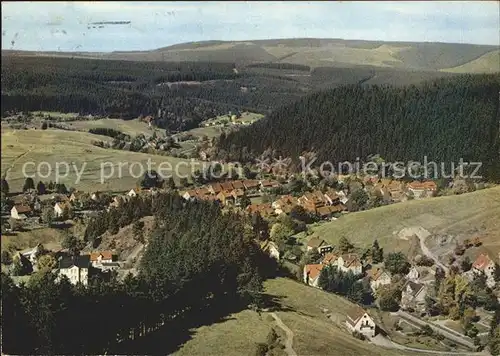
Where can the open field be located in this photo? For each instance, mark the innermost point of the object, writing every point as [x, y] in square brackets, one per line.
[463, 216]
[314, 333]
[129, 127]
[75, 148]
[51, 239]
[487, 63]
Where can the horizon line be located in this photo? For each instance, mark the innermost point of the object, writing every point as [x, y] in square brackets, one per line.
[256, 40]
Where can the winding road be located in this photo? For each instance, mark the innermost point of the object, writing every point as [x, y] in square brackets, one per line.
[422, 235]
[289, 335]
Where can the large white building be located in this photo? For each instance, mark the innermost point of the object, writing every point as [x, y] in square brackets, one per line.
[76, 269]
[359, 320]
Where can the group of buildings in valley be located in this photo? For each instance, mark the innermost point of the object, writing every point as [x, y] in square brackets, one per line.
[76, 268]
[416, 283]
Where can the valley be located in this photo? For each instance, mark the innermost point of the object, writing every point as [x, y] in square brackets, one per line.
[194, 195]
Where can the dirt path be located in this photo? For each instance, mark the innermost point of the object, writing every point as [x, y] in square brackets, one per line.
[289, 335]
[422, 235]
[15, 161]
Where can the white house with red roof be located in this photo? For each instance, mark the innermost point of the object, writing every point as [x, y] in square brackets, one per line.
[378, 277]
[359, 320]
[350, 262]
[311, 274]
[485, 264]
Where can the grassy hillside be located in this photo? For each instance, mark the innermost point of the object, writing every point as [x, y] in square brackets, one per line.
[487, 63]
[52, 146]
[129, 127]
[314, 333]
[463, 216]
[309, 51]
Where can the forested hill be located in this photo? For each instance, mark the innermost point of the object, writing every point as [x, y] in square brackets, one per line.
[445, 120]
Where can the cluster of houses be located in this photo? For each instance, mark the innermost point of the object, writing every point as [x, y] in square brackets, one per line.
[417, 280]
[29, 205]
[230, 193]
[396, 190]
[79, 268]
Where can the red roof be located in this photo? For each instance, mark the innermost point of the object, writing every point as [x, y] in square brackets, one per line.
[351, 260]
[313, 270]
[238, 184]
[329, 258]
[227, 186]
[250, 184]
[482, 261]
[216, 187]
[106, 255]
[430, 185]
[21, 209]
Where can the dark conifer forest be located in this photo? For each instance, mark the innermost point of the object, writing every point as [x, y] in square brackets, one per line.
[177, 95]
[445, 120]
[199, 265]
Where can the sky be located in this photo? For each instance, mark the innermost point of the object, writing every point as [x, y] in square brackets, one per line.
[66, 26]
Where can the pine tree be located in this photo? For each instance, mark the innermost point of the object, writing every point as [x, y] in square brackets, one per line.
[28, 184]
[377, 253]
[4, 186]
[345, 245]
[40, 187]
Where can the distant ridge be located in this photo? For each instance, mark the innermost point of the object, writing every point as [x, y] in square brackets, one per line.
[313, 52]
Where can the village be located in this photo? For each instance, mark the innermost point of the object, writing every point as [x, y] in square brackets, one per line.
[406, 288]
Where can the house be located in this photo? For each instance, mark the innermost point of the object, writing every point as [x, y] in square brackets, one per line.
[215, 188]
[133, 193]
[485, 264]
[326, 212]
[319, 245]
[413, 296]
[251, 185]
[59, 209]
[422, 189]
[268, 184]
[350, 262]
[312, 201]
[20, 212]
[238, 184]
[75, 268]
[342, 197]
[31, 254]
[37, 205]
[95, 196]
[311, 274]
[331, 197]
[227, 186]
[117, 201]
[378, 277]
[284, 204]
[265, 210]
[358, 320]
[413, 274]
[396, 190]
[226, 197]
[271, 248]
[98, 258]
[238, 193]
[76, 196]
[330, 259]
